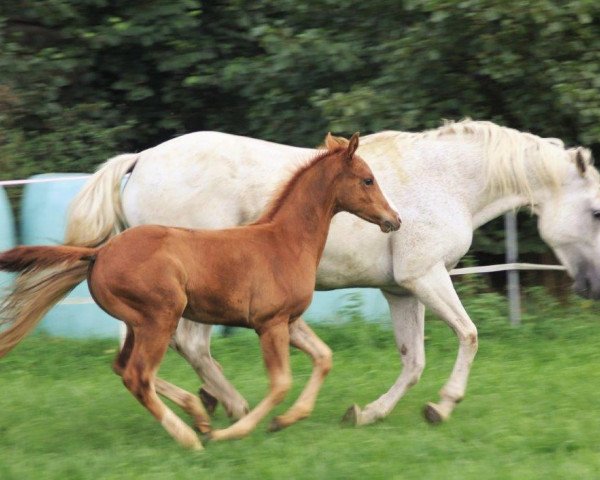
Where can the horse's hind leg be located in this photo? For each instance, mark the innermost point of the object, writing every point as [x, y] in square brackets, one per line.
[192, 342]
[274, 342]
[151, 343]
[303, 338]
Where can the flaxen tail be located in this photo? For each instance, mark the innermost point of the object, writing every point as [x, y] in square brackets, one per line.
[96, 213]
[46, 275]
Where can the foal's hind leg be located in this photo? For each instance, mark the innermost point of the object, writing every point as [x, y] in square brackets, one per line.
[123, 356]
[303, 338]
[185, 400]
[151, 340]
[274, 342]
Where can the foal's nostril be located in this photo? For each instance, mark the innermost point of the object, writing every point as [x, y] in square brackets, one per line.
[389, 226]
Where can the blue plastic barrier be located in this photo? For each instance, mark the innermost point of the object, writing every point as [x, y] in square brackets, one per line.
[43, 220]
[7, 234]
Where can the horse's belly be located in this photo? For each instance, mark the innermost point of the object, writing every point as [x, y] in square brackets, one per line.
[357, 254]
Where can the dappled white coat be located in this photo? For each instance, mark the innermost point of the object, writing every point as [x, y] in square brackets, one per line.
[216, 180]
[445, 183]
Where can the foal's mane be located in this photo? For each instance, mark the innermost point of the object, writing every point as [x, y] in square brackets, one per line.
[512, 159]
[284, 190]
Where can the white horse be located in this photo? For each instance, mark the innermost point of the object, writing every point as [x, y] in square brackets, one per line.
[446, 183]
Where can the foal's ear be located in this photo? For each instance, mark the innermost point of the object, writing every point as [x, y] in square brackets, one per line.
[331, 142]
[352, 146]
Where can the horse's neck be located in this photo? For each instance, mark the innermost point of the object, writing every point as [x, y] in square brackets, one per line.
[306, 213]
[496, 207]
[456, 168]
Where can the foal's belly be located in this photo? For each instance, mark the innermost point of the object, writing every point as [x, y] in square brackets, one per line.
[249, 314]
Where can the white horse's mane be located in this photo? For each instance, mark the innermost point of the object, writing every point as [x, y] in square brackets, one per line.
[512, 159]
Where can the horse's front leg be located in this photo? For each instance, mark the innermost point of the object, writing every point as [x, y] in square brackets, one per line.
[436, 291]
[274, 343]
[408, 321]
[192, 342]
[303, 338]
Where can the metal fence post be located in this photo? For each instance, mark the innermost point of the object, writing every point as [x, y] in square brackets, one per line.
[512, 255]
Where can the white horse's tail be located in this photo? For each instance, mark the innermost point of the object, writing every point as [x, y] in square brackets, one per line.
[96, 213]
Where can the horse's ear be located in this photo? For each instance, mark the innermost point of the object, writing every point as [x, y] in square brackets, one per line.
[352, 146]
[580, 161]
[331, 142]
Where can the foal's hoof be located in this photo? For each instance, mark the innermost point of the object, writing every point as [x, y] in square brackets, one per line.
[433, 414]
[202, 427]
[210, 403]
[197, 447]
[352, 416]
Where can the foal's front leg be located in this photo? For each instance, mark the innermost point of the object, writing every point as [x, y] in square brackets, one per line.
[191, 404]
[274, 342]
[303, 338]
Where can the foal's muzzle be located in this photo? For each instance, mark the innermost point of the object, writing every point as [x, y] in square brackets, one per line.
[390, 224]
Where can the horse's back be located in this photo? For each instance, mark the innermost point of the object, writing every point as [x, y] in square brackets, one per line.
[214, 180]
[227, 175]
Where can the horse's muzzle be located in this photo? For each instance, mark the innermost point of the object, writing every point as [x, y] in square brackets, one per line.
[586, 287]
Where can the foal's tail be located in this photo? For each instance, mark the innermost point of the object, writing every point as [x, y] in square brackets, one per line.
[46, 275]
[96, 212]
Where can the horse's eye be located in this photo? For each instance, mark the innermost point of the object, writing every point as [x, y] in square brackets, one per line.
[368, 181]
[596, 214]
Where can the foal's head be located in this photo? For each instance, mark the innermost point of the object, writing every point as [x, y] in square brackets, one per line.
[357, 190]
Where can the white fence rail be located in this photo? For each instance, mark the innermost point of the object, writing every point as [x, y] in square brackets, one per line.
[512, 266]
[14, 183]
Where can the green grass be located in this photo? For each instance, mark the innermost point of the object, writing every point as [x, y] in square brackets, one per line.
[532, 409]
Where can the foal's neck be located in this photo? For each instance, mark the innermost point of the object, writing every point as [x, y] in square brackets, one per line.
[306, 206]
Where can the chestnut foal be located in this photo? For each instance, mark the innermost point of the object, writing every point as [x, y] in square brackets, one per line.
[259, 276]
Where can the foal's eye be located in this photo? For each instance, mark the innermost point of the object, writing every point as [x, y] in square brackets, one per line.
[368, 181]
[596, 214]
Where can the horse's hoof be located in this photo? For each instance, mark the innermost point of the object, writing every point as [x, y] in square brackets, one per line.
[206, 437]
[352, 416]
[275, 425]
[210, 403]
[433, 414]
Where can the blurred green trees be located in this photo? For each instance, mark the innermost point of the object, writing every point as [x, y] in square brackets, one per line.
[82, 80]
